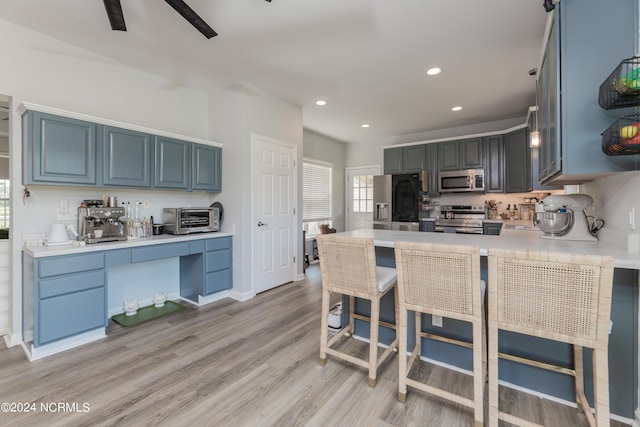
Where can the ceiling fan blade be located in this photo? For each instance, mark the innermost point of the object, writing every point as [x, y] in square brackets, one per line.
[116, 17]
[187, 13]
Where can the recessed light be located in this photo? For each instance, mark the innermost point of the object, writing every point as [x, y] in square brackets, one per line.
[321, 102]
[434, 71]
[365, 125]
[456, 108]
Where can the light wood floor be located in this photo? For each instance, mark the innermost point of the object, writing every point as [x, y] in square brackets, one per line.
[235, 364]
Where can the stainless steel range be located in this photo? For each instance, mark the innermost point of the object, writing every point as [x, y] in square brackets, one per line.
[460, 219]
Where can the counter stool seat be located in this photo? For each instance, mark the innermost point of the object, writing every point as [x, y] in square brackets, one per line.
[442, 280]
[348, 267]
[557, 296]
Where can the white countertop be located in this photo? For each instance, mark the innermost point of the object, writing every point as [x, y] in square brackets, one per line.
[46, 251]
[513, 239]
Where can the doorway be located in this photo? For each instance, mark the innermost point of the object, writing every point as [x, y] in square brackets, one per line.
[274, 224]
[5, 216]
[359, 193]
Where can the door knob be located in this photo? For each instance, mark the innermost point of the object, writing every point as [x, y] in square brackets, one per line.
[261, 224]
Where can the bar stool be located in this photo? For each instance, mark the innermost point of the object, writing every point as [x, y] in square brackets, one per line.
[557, 296]
[348, 266]
[442, 280]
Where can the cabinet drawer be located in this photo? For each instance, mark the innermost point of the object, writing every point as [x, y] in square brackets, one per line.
[217, 260]
[70, 264]
[218, 281]
[196, 247]
[149, 253]
[118, 257]
[220, 243]
[70, 283]
[70, 314]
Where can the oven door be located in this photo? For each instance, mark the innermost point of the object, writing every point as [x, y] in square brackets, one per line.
[458, 230]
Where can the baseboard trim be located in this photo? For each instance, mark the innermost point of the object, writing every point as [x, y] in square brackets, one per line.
[12, 340]
[241, 296]
[35, 353]
[211, 298]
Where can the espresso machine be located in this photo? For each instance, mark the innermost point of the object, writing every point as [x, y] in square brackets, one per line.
[100, 224]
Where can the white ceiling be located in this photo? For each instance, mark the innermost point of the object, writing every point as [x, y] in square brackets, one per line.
[366, 58]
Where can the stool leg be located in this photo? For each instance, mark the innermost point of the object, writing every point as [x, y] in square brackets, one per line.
[324, 326]
[418, 324]
[402, 356]
[578, 366]
[493, 372]
[478, 370]
[352, 311]
[601, 385]
[373, 341]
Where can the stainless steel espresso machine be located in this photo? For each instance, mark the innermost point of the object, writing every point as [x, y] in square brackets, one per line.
[100, 224]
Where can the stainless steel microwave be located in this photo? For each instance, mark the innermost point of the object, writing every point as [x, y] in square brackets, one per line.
[190, 220]
[461, 181]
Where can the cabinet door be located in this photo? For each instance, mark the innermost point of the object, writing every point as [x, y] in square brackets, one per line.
[392, 160]
[172, 163]
[60, 150]
[518, 161]
[554, 154]
[494, 164]
[431, 163]
[449, 155]
[413, 158]
[471, 155]
[206, 168]
[126, 157]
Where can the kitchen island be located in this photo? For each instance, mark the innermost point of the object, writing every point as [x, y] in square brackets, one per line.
[69, 292]
[623, 341]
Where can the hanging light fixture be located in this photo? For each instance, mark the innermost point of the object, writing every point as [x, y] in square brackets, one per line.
[534, 137]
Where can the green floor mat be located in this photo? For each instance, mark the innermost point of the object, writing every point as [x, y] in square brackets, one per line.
[147, 313]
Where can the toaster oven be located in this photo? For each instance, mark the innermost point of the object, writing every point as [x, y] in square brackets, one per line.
[190, 220]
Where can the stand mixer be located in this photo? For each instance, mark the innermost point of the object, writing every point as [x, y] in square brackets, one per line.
[563, 217]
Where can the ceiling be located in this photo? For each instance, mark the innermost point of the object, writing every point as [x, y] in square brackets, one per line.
[366, 58]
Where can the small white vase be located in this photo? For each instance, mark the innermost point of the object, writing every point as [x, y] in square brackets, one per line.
[131, 307]
[159, 299]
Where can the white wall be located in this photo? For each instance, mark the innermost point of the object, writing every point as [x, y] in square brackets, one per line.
[39, 69]
[235, 113]
[326, 149]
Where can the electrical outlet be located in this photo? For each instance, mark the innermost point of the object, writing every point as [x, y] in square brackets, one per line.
[436, 320]
[632, 218]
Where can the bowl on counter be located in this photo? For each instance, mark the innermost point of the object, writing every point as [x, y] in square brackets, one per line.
[554, 223]
[157, 229]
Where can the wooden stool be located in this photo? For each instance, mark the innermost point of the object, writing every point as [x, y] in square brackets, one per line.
[442, 280]
[557, 296]
[348, 266]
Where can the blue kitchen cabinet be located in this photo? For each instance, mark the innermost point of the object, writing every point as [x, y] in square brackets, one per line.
[172, 163]
[413, 158]
[126, 157]
[577, 58]
[206, 168]
[218, 265]
[69, 295]
[392, 162]
[532, 125]
[463, 154]
[58, 150]
[517, 153]
[494, 164]
[431, 165]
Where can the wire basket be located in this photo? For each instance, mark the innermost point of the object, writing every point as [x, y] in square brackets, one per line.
[622, 137]
[622, 88]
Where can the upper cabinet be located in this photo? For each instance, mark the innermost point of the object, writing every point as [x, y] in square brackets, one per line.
[206, 169]
[494, 164]
[576, 60]
[172, 161]
[59, 150]
[413, 159]
[517, 155]
[392, 160]
[126, 157]
[464, 154]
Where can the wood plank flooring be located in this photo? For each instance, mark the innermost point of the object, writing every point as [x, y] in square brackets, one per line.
[232, 363]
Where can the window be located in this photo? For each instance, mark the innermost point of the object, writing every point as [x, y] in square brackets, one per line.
[363, 193]
[4, 203]
[316, 196]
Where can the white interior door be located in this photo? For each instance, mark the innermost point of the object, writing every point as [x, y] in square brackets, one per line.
[274, 217]
[359, 194]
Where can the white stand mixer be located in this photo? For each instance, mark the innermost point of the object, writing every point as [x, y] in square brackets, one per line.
[576, 204]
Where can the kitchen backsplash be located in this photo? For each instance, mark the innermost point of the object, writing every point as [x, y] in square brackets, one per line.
[43, 204]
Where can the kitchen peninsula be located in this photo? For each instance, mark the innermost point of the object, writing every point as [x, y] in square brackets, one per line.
[623, 340]
[67, 288]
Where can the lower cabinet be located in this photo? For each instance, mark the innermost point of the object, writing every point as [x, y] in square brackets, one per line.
[69, 295]
[491, 228]
[66, 295]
